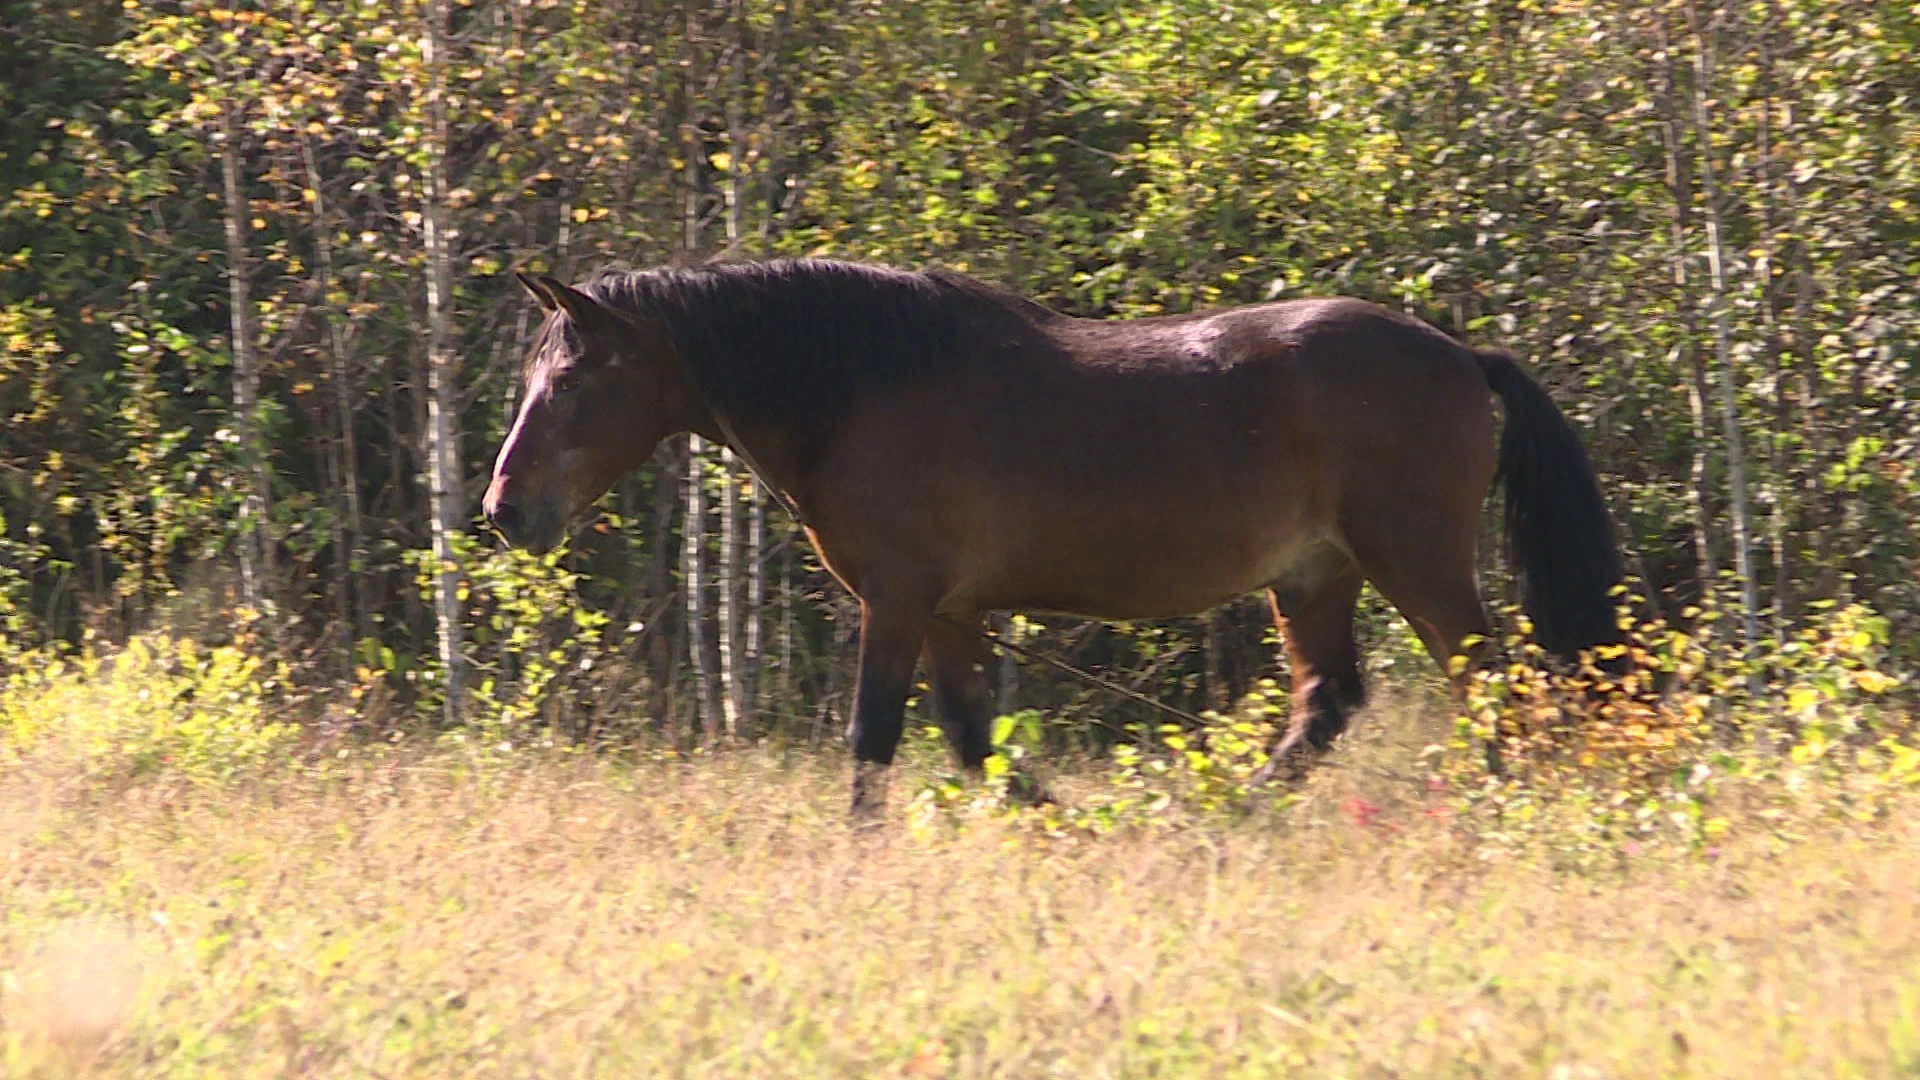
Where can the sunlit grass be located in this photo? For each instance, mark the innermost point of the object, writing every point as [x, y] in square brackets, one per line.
[414, 917]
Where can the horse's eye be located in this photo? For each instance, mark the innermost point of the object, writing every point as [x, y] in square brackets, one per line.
[566, 383]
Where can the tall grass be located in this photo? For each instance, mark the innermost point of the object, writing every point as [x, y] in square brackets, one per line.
[431, 913]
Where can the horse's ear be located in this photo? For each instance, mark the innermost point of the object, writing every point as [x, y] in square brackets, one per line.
[580, 307]
[537, 290]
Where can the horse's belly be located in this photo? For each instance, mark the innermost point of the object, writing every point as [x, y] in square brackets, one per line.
[1151, 575]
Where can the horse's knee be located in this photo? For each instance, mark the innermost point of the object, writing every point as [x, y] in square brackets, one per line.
[890, 642]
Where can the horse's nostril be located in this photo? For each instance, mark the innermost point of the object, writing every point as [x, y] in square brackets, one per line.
[506, 517]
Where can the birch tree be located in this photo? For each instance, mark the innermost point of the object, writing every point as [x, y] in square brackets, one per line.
[1720, 309]
[445, 481]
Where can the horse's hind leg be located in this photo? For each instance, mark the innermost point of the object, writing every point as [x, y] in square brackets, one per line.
[1314, 613]
[1434, 584]
[957, 657]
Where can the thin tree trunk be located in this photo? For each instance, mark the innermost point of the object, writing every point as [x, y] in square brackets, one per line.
[1009, 675]
[446, 494]
[775, 114]
[744, 681]
[1716, 268]
[256, 547]
[1805, 285]
[731, 688]
[689, 134]
[737, 164]
[659, 584]
[350, 560]
[707, 689]
[340, 630]
[1798, 262]
[393, 504]
[726, 582]
[845, 628]
[1770, 304]
[693, 569]
[786, 689]
[1212, 645]
[756, 595]
[1679, 182]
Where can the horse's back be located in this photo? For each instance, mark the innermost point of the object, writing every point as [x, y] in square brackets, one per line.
[1339, 379]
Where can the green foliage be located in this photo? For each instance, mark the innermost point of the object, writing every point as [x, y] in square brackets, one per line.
[1168, 776]
[530, 630]
[158, 706]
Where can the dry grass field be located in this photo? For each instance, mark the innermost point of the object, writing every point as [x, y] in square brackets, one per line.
[415, 916]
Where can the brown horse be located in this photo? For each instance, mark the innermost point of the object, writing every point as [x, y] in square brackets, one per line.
[953, 449]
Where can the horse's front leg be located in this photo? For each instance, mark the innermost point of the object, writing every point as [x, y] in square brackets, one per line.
[892, 631]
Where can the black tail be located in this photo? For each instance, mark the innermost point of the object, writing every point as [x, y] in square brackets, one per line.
[1559, 537]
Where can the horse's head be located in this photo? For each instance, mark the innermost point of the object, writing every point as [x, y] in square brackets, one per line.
[600, 392]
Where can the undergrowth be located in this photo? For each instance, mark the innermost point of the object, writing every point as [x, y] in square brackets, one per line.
[1588, 761]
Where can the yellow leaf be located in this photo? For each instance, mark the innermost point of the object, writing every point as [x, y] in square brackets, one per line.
[1873, 682]
[580, 216]
[722, 160]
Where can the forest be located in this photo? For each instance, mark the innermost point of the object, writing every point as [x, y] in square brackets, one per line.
[263, 336]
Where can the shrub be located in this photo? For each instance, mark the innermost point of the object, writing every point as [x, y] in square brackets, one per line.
[528, 631]
[161, 703]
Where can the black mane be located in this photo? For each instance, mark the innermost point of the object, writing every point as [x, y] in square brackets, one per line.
[798, 340]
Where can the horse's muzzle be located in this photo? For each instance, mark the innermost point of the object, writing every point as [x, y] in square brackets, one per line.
[536, 529]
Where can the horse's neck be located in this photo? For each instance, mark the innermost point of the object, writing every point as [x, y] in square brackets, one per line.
[771, 455]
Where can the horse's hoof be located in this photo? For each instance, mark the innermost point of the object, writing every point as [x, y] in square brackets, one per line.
[869, 798]
[1287, 769]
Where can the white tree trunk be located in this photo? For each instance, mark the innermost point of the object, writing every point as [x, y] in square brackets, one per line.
[445, 494]
[256, 545]
[756, 595]
[693, 568]
[1717, 274]
[785, 688]
[726, 582]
